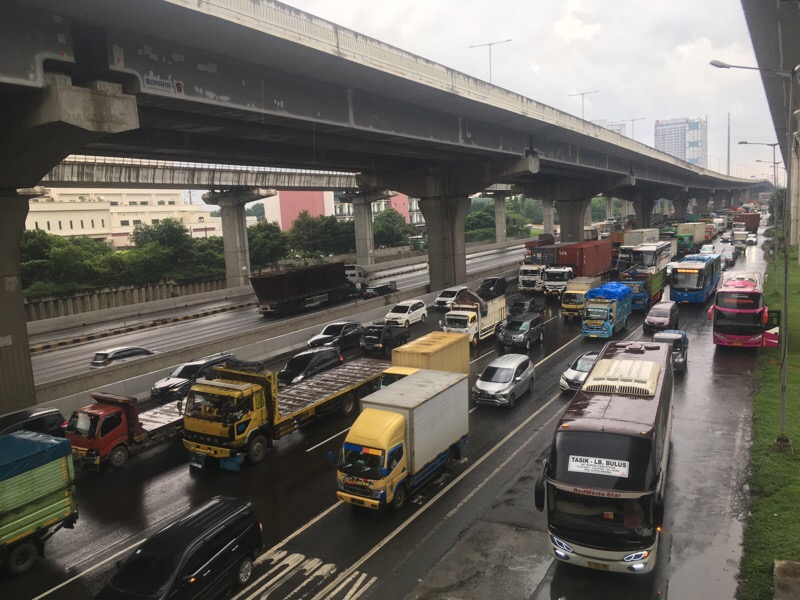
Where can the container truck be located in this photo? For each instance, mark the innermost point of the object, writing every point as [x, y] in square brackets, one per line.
[573, 299]
[478, 318]
[739, 240]
[112, 429]
[405, 435]
[693, 236]
[634, 237]
[738, 226]
[721, 224]
[607, 310]
[241, 413]
[530, 279]
[545, 239]
[438, 350]
[751, 221]
[37, 495]
[587, 259]
[647, 286]
[290, 292]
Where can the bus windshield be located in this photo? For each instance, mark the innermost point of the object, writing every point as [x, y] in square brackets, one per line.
[645, 259]
[687, 279]
[612, 523]
[738, 322]
[740, 300]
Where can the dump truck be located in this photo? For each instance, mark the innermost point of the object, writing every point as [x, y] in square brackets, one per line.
[438, 350]
[573, 299]
[647, 286]
[405, 435]
[607, 310]
[751, 221]
[478, 318]
[112, 429]
[241, 413]
[283, 293]
[37, 495]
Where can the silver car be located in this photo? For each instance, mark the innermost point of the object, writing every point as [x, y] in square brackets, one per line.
[504, 380]
[576, 372]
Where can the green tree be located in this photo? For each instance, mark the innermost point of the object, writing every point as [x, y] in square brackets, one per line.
[35, 245]
[305, 233]
[479, 220]
[208, 255]
[171, 233]
[516, 225]
[390, 228]
[268, 244]
[255, 210]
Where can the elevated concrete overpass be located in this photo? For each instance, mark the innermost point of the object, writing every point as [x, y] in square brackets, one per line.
[260, 83]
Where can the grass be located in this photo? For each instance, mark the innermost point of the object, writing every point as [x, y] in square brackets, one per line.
[772, 529]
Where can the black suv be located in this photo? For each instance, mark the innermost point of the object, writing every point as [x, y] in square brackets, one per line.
[310, 362]
[524, 305]
[492, 287]
[344, 334]
[39, 420]
[520, 331]
[380, 338]
[176, 385]
[202, 555]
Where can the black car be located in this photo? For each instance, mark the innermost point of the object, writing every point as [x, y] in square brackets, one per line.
[520, 331]
[374, 291]
[344, 334]
[728, 258]
[493, 287]
[310, 362]
[37, 419]
[380, 338]
[201, 555]
[662, 315]
[176, 385]
[523, 305]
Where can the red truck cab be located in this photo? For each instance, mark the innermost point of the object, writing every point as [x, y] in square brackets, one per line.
[103, 431]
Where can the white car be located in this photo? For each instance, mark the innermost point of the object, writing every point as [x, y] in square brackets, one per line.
[444, 301]
[577, 371]
[708, 249]
[407, 312]
[752, 239]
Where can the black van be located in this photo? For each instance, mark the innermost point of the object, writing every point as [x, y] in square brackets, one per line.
[202, 555]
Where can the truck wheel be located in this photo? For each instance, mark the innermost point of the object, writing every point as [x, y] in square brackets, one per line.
[387, 351]
[244, 571]
[257, 449]
[452, 458]
[348, 405]
[541, 335]
[400, 497]
[20, 558]
[118, 456]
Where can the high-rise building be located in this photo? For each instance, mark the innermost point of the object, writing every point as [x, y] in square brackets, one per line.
[686, 139]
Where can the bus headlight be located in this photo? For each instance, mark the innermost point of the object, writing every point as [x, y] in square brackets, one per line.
[561, 544]
[637, 556]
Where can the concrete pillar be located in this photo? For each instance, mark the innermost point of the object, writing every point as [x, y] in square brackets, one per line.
[587, 215]
[571, 216]
[365, 241]
[447, 257]
[644, 212]
[234, 230]
[16, 372]
[609, 207]
[680, 204]
[547, 216]
[702, 205]
[500, 219]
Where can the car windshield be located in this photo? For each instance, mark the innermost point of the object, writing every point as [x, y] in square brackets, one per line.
[448, 294]
[496, 374]
[185, 371]
[82, 424]
[148, 570]
[373, 333]
[401, 308]
[584, 363]
[299, 363]
[518, 326]
[336, 328]
[659, 313]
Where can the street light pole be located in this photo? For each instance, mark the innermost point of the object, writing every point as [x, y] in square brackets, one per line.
[489, 45]
[633, 124]
[583, 97]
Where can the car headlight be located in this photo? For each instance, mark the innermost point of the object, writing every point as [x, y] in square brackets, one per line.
[298, 379]
[564, 380]
[636, 556]
[680, 359]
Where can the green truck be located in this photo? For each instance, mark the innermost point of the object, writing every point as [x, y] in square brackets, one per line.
[37, 496]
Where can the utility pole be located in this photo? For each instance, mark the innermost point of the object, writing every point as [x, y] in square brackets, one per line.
[489, 45]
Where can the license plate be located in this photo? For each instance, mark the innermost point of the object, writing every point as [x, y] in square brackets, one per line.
[359, 502]
[736, 344]
[592, 336]
[597, 565]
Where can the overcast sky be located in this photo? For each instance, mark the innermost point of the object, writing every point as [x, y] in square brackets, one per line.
[646, 58]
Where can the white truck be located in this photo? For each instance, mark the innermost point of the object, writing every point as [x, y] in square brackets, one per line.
[721, 224]
[478, 318]
[739, 239]
[405, 435]
[531, 278]
[555, 280]
[634, 237]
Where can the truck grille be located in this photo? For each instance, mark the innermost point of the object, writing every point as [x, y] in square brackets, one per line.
[357, 490]
[202, 438]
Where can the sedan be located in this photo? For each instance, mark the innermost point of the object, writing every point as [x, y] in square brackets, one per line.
[374, 291]
[115, 356]
[726, 237]
[309, 362]
[407, 312]
[344, 334]
[577, 370]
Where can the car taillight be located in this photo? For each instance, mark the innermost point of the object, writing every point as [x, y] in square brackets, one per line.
[260, 526]
[63, 425]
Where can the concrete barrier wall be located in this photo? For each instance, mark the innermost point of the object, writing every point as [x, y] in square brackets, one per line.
[273, 340]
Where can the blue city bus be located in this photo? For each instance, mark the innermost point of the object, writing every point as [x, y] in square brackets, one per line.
[695, 278]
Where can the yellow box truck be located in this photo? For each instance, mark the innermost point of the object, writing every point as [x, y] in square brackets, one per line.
[437, 350]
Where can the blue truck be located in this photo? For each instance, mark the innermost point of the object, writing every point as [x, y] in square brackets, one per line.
[606, 310]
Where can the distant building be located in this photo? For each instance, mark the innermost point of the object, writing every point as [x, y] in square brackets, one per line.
[407, 207]
[110, 215]
[620, 128]
[686, 139]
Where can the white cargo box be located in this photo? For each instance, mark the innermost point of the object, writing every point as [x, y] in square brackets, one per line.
[435, 405]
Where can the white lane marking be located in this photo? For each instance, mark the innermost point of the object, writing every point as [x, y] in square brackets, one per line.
[325, 592]
[334, 436]
[89, 570]
[294, 534]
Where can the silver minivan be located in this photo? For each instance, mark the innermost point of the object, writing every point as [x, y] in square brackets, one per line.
[504, 380]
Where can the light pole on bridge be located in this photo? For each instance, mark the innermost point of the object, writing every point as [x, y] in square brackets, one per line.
[489, 45]
[583, 98]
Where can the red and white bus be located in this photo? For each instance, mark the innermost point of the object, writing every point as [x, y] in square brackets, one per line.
[739, 313]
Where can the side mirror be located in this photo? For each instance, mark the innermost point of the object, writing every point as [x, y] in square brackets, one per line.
[330, 456]
[384, 472]
[538, 494]
[440, 323]
[710, 313]
[764, 316]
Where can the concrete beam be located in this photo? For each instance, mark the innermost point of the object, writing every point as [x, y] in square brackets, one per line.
[234, 230]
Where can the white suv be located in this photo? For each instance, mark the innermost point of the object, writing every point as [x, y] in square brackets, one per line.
[444, 301]
[407, 312]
